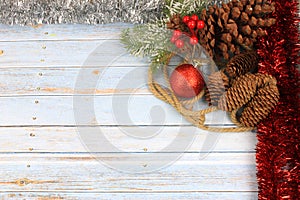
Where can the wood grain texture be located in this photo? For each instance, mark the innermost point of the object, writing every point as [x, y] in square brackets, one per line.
[42, 155]
[61, 32]
[109, 110]
[129, 196]
[62, 81]
[63, 139]
[78, 54]
[72, 172]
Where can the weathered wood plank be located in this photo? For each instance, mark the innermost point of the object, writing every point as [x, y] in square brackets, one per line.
[61, 32]
[63, 139]
[128, 196]
[109, 110]
[62, 81]
[46, 61]
[67, 53]
[40, 173]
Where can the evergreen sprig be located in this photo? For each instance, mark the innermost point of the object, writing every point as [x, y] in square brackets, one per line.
[145, 40]
[148, 40]
[153, 39]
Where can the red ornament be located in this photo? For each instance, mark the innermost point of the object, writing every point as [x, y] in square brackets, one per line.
[200, 24]
[179, 43]
[186, 81]
[191, 24]
[194, 40]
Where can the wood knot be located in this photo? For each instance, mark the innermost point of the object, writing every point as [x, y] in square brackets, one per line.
[26, 181]
[23, 182]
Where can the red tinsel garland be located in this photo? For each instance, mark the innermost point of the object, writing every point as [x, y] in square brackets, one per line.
[278, 153]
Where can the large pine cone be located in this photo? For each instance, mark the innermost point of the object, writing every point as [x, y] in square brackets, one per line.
[234, 27]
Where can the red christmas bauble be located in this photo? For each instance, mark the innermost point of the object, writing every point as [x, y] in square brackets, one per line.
[186, 81]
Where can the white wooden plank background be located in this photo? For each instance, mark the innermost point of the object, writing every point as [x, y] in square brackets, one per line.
[65, 139]
[129, 196]
[70, 172]
[41, 154]
[60, 111]
[61, 81]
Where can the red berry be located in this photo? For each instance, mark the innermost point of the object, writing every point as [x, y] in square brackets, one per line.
[200, 24]
[173, 39]
[194, 17]
[185, 19]
[191, 24]
[179, 44]
[177, 33]
[194, 40]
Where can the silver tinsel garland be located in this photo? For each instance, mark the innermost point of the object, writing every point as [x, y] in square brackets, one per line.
[31, 12]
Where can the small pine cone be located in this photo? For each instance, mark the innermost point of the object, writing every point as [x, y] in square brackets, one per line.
[242, 64]
[241, 92]
[217, 85]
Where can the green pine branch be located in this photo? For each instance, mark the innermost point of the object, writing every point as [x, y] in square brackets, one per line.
[149, 40]
[153, 40]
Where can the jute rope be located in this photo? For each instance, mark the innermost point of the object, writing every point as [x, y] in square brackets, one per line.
[259, 85]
